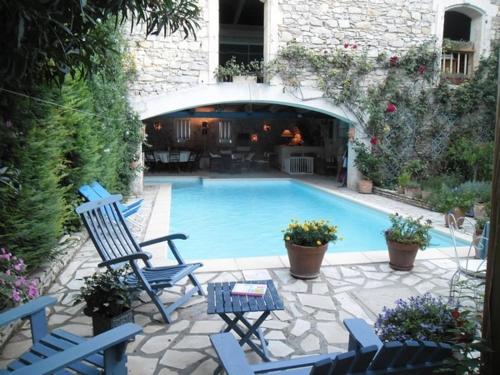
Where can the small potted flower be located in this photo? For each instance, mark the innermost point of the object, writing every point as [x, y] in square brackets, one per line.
[428, 318]
[15, 287]
[368, 165]
[425, 318]
[306, 244]
[404, 238]
[108, 300]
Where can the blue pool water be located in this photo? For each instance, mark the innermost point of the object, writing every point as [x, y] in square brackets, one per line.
[245, 218]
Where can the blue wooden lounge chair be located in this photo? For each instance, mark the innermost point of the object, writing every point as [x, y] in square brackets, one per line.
[116, 246]
[103, 193]
[61, 352]
[91, 196]
[367, 355]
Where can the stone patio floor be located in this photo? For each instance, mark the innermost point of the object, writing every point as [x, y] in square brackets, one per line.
[311, 323]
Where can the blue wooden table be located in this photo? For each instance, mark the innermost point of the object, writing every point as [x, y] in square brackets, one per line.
[221, 302]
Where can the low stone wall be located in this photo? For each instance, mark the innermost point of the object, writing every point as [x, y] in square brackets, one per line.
[401, 198]
[47, 274]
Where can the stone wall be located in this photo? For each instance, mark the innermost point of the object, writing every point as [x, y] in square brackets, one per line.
[374, 26]
[169, 63]
[166, 64]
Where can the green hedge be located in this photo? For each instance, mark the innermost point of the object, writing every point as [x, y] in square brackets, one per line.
[88, 132]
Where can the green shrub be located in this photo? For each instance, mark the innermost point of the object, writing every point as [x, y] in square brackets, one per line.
[90, 134]
[480, 190]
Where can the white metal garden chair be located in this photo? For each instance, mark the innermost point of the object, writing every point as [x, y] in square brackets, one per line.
[467, 267]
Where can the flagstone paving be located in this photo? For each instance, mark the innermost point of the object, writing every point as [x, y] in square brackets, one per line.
[311, 322]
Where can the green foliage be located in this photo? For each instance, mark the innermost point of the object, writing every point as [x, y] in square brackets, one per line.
[404, 179]
[226, 72]
[408, 231]
[448, 130]
[311, 233]
[435, 183]
[446, 199]
[90, 132]
[473, 159]
[480, 190]
[46, 40]
[367, 162]
[104, 293]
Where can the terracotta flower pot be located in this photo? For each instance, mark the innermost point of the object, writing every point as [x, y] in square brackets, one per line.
[458, 214]
[413, 192]
[305, 261]
[426, 194]
[401, 256]
[365, 186]
[102, 324]
[479, 210]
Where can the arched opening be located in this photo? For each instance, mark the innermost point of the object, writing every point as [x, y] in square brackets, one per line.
[247, 137]
[462, 33]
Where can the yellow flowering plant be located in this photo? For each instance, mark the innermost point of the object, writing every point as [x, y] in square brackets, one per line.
[310, 233]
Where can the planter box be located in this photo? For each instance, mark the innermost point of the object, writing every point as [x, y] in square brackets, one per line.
[245, 79]
[102, 324]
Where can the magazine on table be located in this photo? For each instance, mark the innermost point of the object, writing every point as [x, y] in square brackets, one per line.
[254, 290]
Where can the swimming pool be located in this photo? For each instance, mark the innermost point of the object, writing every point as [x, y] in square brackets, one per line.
[245, 217]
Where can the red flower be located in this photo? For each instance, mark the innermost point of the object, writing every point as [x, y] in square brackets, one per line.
[421, 69]
[390, 108]
[393, 61]
[455, 314]
[354, 46]
[374, 140]
[346, 45]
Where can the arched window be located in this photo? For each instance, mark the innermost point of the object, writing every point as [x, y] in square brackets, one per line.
[458, 48]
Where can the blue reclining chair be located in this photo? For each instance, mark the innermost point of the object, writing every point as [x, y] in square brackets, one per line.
[116, 246]
[367, 355]
[103, 193]
[91, 195]
[62, 352]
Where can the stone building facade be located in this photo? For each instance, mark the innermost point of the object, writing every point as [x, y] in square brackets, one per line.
[166, 64]
[175, 74]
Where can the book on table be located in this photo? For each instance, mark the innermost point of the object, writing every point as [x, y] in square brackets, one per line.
[254, 290]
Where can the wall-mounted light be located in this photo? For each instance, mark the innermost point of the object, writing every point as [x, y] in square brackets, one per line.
[157, 126]
[254, 138]
[286, 133]
[266, 127]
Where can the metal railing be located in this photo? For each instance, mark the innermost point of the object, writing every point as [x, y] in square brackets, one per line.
[457, 63]
[298, 165]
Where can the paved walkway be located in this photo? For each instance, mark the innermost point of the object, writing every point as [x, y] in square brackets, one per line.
[311, 323]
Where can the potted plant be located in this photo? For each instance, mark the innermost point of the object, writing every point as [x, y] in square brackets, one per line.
[413, 190]
[452, 201]
[306, 245]
[368, 165]
[424, 318]
[404, 238]
[403, 180]
[232, 71]
[108, 300]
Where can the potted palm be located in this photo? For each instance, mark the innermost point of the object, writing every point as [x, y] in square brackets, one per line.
[306, 244]
[368, 165]
[108, 300]
[404, 238]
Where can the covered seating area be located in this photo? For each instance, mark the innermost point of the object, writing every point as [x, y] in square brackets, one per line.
[231, 138]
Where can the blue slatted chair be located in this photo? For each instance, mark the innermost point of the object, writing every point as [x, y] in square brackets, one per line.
[103, 193]
[116, 246]
[62, 352]
[367, 355]
[91, 195]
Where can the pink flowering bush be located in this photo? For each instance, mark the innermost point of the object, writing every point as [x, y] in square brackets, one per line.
[15, 287]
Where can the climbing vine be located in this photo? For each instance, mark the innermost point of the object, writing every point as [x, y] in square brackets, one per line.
[398, 102]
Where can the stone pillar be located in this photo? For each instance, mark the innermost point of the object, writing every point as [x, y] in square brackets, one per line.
[137, 185]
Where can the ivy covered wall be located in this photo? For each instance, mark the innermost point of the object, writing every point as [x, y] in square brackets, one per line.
[70, 135]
